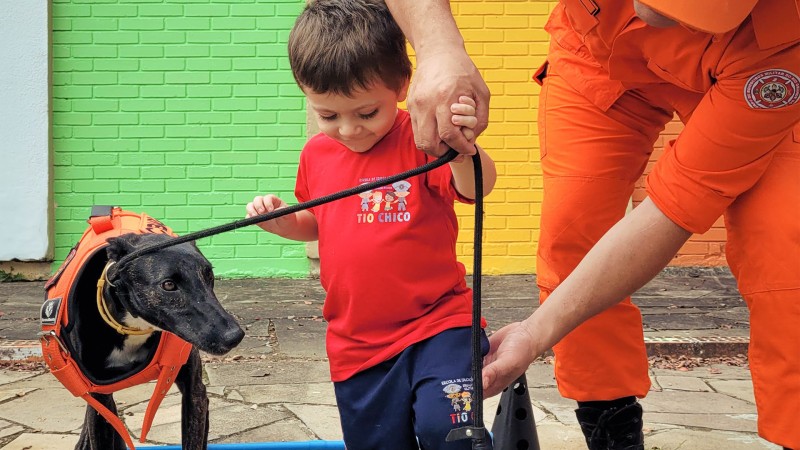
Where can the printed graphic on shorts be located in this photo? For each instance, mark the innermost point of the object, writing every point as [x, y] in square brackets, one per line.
[387, 204]
[774, 88]
[459, 392]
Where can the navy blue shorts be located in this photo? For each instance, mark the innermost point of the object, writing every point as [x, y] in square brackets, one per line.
[413, 400]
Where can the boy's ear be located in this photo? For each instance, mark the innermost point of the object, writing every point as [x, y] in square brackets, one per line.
[402, 93]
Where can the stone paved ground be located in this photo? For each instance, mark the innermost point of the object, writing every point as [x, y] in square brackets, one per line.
[274, 387]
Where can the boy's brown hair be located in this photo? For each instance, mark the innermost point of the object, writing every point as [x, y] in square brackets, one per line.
[341, 46]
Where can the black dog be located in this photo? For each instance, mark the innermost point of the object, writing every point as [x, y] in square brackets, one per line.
[170, 290]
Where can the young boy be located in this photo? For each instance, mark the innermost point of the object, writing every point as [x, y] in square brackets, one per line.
[397, 305]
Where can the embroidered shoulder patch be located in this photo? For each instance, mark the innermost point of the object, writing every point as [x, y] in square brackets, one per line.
[773, 88]
[49, 313]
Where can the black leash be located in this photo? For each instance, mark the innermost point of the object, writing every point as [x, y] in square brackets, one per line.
[447, 157]
[477, 432]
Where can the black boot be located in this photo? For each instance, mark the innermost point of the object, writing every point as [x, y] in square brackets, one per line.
[615, 428]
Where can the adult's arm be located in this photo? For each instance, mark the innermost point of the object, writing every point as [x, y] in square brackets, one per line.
[444, 72]
[630, 254]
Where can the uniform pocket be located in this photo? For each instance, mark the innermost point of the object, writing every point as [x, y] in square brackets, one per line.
[670, 78]
[582, 14]
[540, 74]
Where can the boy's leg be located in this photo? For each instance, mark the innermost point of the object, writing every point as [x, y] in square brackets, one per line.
[443, 388]
[763, 251]
[591, 160]
[375, 408]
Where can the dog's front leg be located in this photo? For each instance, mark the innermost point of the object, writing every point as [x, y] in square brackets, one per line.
[194, 411]
[97, 433]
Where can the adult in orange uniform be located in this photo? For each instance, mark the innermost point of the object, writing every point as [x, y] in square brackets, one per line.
[616, 72]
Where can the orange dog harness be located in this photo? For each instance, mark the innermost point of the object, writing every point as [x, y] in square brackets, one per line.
[172, 351]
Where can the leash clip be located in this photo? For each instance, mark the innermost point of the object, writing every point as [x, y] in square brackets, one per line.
[45, 335]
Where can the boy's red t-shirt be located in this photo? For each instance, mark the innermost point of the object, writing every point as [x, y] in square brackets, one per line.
[387, 258]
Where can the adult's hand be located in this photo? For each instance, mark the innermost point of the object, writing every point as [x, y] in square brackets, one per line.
[441, 78]
[511, 351]
[444, 73]
[614, 268]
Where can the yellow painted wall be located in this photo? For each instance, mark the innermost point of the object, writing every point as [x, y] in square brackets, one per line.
[507, 41]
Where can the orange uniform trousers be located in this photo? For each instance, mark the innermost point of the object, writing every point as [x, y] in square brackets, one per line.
[591, 159]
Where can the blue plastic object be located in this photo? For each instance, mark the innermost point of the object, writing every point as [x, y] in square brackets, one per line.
[304, 445]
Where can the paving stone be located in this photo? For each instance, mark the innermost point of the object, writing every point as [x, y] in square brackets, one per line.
[727, 372]
[216, 390]
[31, 441]
[490, 412]
[9, 429]
[540, 375]
[726, 422]
[288, 430]
[273, 371]
[741, 389]
[550, 401]
[34, 410]
[323, 421]
[497, 318]
[7, 377]
[249, 347]
[9, 394]
[139, 394]
[41, 380]
[669, 382]
[301, 338]
[226, 418]
[695, 403]
[682, 439]
[234, 395]
[554, 435]
[311, 393]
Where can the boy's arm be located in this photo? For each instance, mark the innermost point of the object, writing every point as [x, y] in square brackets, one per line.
[299, 226]
[444, 72]
[305, 228]
[464, 174]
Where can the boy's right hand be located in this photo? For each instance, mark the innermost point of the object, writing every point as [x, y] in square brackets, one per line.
[464, 117]
[267, 203]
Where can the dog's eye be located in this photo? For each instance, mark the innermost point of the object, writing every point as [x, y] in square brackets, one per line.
[168, 285]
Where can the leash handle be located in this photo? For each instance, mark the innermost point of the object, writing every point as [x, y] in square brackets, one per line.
[447, 157]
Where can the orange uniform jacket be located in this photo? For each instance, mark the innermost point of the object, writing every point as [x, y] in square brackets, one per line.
[172, 351]
[736, 120]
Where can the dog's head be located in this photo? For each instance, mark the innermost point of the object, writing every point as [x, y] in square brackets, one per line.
[173, 290]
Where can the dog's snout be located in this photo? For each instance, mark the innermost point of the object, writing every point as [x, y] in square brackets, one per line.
[233, 336]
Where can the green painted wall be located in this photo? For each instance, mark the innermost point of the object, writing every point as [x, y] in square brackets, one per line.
[181, 109]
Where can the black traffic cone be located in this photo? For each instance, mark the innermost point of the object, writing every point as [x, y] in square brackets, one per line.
[514, 427]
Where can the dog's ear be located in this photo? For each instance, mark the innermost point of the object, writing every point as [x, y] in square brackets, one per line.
[121, 246]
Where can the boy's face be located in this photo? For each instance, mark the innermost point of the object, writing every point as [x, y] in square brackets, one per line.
[360, 121]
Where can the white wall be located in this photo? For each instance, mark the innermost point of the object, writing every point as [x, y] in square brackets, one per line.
[24, 130]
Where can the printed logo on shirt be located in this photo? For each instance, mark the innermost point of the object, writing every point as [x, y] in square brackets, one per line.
[773, 88]
[388, 204]
[459, 392]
